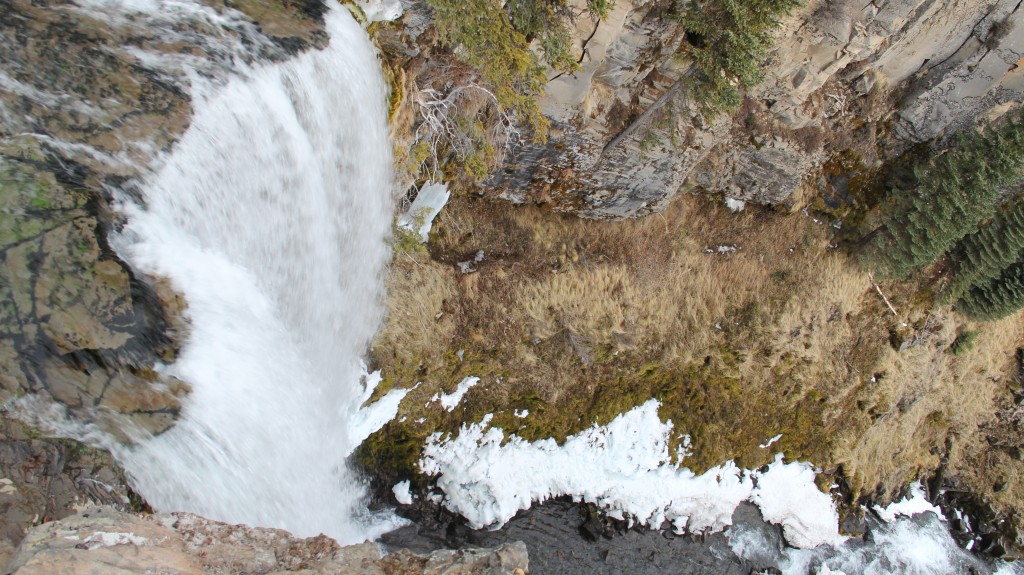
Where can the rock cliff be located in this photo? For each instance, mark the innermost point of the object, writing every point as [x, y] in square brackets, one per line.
[845, 75]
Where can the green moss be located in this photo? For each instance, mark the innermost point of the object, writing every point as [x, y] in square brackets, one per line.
[356, 11]
[488, 42]
[392, 453]
[964, 342]
[25, 187]
[724, 417]
[495, 39]
[40, 203]
[404, 240]
[420, 153]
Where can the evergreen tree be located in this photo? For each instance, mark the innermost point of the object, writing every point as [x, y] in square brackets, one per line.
[728, 41]
[982, 256]
[997, 298]
[950, 196]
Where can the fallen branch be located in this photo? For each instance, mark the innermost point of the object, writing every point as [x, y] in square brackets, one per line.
[871, 277]
[440, 128]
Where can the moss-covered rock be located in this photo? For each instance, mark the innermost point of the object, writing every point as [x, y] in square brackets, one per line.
[71, 325]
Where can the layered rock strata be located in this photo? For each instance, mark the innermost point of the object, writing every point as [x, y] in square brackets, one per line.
[869, 77]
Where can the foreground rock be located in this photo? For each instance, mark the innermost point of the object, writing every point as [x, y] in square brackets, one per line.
[105, 540]
[46, 479]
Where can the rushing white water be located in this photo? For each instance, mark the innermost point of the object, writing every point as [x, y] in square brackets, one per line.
[270, 216]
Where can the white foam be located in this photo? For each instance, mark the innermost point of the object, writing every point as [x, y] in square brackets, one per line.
[913, 547]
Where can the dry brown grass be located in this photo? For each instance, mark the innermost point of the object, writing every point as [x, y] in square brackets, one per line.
[416, 322]
[925, 397]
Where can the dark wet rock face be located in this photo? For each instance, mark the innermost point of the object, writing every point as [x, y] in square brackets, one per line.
[566, 538]
[74, 327]
[77, 109]
[45, 480]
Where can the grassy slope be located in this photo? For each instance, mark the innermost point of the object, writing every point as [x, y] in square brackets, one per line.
[578, 321]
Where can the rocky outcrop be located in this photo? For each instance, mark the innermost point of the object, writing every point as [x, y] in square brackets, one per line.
[602, 159]
[46, 479]
[954, 60]
[89, 97]
[847, 75]
[73, 114]
[105, 540]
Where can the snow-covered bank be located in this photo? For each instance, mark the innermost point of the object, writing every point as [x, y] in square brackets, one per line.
[626, 468]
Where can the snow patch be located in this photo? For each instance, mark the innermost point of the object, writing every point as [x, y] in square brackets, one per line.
[626, 468]
[7, 487]
[770, 442]
[787, 496]
[428, 203]
[450, 400]
[469, 266]
[402, 494]
[735, 205]
[909, 506]
[370, 418]
[105, 539]
[722, 249]
[521, 414]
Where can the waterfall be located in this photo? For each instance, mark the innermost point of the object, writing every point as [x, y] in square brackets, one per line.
[270, 216]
